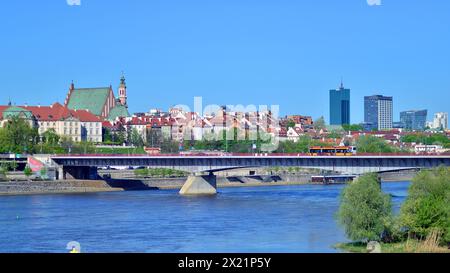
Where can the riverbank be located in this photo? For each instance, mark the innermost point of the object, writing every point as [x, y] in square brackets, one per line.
[95, 186]
[54, 187]
[410, 246]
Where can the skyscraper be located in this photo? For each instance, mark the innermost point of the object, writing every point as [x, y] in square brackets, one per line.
[440, 121]
[378, 111]
[340, 106]
[414, 119]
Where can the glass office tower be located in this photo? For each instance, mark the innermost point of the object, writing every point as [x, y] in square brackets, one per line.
[340, 106]
[414, 119]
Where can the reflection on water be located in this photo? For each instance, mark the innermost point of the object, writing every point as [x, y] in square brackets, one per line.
[261, 219]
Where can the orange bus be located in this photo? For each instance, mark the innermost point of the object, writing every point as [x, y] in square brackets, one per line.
[333, 150]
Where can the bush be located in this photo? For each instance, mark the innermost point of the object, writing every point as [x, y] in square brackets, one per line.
[28, 172]
[141, 172]
[365, 211]
[427, 208]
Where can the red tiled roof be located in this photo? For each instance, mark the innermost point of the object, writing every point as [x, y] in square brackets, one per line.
[85, 116]
[3, 108]
[107, 124]
[56, 112]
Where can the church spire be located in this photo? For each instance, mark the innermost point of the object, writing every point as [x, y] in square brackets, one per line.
[122, 79]
[123, 91]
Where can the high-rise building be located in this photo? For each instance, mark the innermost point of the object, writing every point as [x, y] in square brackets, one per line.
[440, 121]
[414, 119]
[378, 111]
[340, 106]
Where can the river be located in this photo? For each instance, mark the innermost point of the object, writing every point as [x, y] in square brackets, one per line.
[259, 219]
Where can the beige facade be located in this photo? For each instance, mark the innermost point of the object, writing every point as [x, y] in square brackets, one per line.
[70, 128]
[92, 131]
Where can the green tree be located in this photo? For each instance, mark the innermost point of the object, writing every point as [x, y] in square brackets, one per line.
[50, 136]
[3, 171]
[371, 144]
[427, 206]
[136, 138]
[67, 144]
[107, 135]
[119, 136]
[335, 134]
[365, 211]
[27, 172]
[352, 127]
[319, 123]
[17, 136]
[290, 124]
[154, 137]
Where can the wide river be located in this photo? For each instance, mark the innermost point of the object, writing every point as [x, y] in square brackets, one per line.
[259, 219]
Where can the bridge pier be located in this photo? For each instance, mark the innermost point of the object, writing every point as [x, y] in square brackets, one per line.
[200, 185]
[60, 173]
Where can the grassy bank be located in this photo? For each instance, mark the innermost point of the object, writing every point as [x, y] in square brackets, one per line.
[410, 246]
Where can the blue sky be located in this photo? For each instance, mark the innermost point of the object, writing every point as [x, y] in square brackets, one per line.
[285, 52]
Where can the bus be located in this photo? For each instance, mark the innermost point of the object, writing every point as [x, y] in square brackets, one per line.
[333, 150]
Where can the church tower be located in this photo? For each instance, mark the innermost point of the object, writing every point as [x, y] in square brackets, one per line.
[123, 91]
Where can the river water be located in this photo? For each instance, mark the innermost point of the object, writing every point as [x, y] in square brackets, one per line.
[259, 219]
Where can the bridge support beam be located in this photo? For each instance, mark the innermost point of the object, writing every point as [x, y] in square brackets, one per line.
[60, 173]
[200, 185]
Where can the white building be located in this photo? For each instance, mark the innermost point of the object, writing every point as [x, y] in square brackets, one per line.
[440, 121]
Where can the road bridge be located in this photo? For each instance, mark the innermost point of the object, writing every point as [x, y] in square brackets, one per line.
[85, 166]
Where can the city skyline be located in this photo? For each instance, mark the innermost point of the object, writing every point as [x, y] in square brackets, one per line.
[169, 55]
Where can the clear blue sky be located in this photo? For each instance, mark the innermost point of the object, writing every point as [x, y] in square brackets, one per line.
[285, 52]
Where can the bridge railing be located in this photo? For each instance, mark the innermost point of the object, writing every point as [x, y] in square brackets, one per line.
[250, 155]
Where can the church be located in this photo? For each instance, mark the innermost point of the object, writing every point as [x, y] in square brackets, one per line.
[99, 101]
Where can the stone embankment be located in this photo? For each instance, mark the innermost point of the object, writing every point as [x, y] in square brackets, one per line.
[135, 183]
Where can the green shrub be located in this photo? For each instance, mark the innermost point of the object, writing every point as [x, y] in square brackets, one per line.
[27, 171]
[365, 211]
[141, 172]
[427, 206]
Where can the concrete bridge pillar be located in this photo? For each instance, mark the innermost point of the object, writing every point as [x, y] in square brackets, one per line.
[60, 173]
[200, 185]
